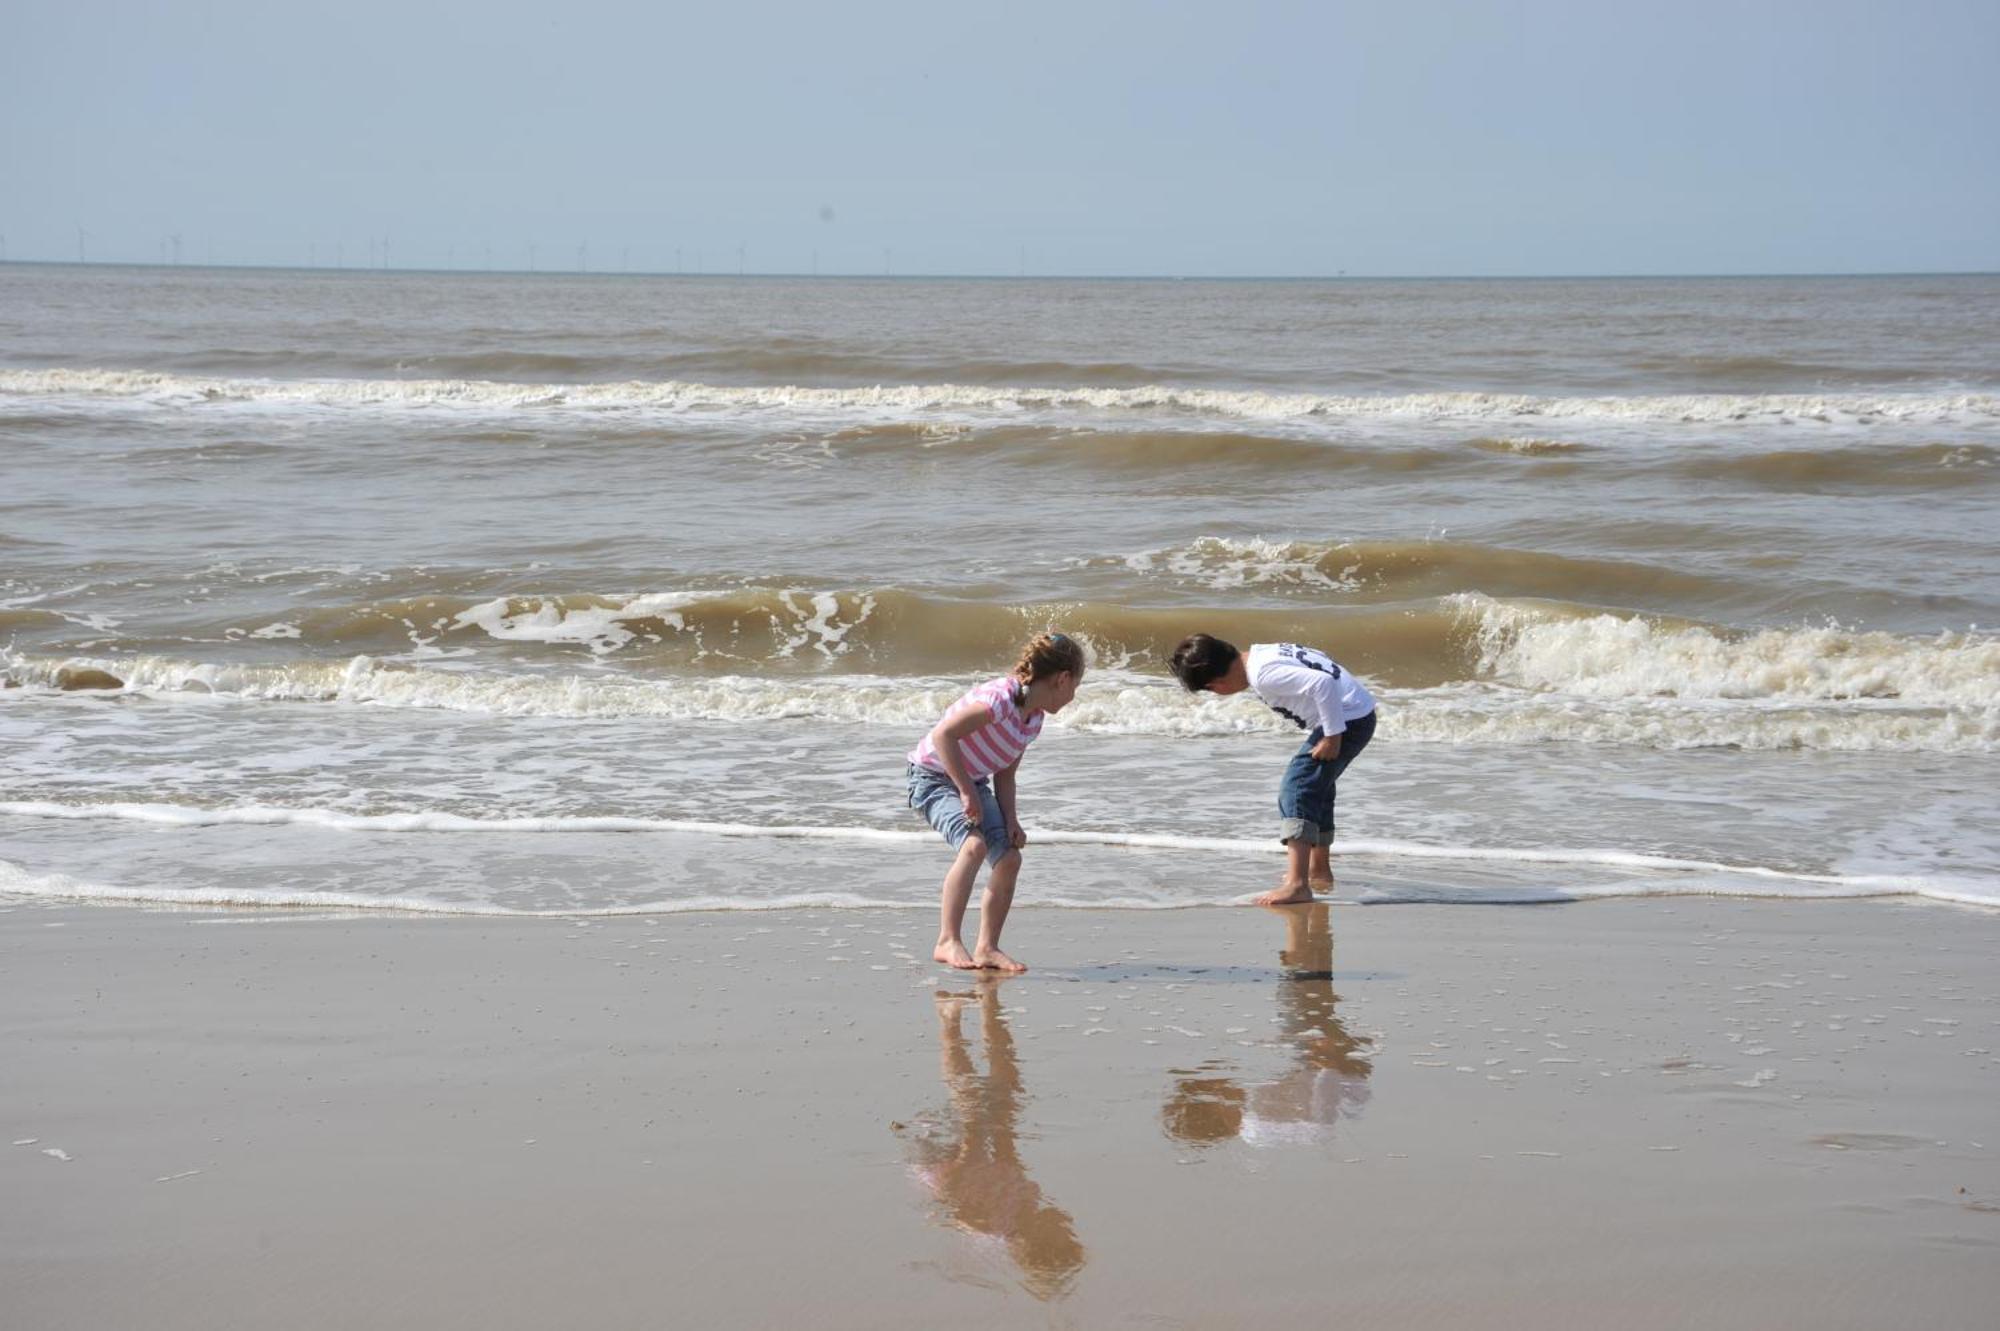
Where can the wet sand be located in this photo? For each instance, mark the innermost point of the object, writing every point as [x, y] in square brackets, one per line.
[1663, 1114]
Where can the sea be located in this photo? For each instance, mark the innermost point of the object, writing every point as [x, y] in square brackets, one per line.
[577, 595]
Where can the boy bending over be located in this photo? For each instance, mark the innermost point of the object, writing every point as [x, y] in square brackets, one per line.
[1309, 689]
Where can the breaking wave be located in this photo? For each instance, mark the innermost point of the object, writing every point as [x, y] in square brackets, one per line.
[1409, 570]
[677, 395]
[1541, 678]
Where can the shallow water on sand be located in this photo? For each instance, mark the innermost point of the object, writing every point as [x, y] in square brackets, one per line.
[477, 592]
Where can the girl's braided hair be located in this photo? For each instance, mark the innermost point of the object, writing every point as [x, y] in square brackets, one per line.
[1049, 654]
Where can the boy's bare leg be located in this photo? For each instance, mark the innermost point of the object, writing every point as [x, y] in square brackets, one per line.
[1297, 886]
[994, 904]
[952, 900]
[1319, 869]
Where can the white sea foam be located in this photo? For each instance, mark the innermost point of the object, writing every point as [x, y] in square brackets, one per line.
[1225, 564]
[366, 680]
[1948, 891]
[1497, 714]
[177, 815]
[15, 881]
[1611, 656]
[1551, 678]
[601, 628]
[797, 619]
[896, 400]
[1479, 713]
[400, 823]
[1690, 878]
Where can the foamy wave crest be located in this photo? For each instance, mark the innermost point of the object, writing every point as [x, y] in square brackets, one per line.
[363, 679]
[1111, 704]
[894, 400]
[1609, 656]
[1411, 570]
[1222, 563]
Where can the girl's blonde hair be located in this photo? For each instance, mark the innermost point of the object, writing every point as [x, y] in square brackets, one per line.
[1049, 654]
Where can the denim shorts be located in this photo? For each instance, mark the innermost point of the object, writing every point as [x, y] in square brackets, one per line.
[934, 796]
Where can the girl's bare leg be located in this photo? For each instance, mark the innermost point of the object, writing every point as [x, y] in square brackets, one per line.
[952, 900]
[994, 904]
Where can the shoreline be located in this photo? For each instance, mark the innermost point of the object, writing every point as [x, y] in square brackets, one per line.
[1735, 1113]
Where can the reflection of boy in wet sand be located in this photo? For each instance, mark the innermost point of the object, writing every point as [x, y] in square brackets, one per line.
[1329, 1079]
[973, 1164]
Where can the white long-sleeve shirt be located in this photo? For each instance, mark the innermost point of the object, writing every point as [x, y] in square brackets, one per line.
[1306, 687]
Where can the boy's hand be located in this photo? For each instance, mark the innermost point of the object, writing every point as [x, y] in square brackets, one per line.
[1017, 835]
[1327, 749]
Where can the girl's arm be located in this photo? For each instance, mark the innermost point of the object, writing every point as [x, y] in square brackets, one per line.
[959, 722]
[1003, 791]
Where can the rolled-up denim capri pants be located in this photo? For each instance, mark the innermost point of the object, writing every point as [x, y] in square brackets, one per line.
[1305, 795]
[934, 796]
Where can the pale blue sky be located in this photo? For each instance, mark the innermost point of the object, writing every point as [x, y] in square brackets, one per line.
[1514, 137]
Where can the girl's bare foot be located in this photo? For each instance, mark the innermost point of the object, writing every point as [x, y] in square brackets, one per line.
[1321, 883]
[993, 959]
[1285, 894]
[953, 954]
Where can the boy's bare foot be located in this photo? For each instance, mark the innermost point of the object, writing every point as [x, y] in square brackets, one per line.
[993, 959]
[1320, 882]
[1285, 894]
[954, 955]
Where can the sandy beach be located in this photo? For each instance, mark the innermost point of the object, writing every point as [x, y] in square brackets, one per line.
[1703, 1113]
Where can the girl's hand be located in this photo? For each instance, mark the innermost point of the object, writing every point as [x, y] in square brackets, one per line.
[1016, 834]
[975, 812]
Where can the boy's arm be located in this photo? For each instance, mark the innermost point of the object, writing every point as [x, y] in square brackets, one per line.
[959, 722]
[1003, 791]
[1318, 695]
[1326, 697]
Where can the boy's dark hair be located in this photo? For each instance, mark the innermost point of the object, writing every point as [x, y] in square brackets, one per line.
[1201, 660]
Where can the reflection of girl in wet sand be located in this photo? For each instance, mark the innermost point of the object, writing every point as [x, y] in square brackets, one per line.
[972, 1162]
[1329, 1079]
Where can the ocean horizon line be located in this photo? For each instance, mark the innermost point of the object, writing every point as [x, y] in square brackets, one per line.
[785, 275]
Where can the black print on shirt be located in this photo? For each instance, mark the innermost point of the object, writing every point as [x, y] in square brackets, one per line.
[1310, 659]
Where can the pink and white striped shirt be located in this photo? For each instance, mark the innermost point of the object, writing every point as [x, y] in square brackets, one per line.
[996, 744]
